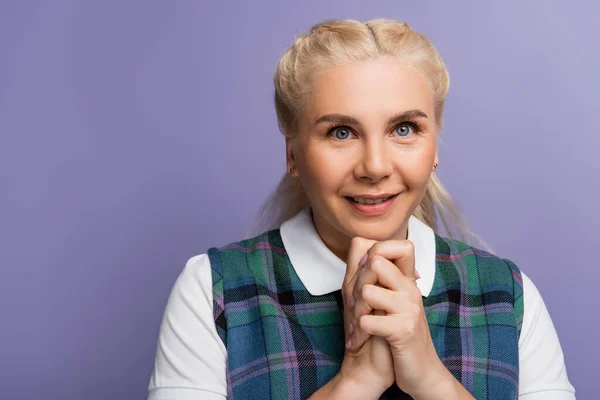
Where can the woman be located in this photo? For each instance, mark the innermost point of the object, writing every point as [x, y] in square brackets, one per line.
[353, 294]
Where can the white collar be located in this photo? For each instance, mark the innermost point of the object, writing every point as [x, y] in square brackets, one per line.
[322, 272]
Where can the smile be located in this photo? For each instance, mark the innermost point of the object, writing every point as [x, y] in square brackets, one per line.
[362, 200]
[372, 205]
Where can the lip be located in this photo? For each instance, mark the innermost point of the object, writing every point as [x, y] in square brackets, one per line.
[373, 210]
[374, 196]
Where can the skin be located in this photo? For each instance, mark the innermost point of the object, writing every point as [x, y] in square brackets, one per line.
[387, 334]
[374, 159]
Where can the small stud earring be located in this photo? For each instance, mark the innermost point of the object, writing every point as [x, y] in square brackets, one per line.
[292, 170]
[435, 166]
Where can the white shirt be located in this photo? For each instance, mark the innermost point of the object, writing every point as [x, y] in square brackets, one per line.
[191, 359]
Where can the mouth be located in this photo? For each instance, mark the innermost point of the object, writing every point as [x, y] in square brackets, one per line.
[367, 200]
[372, 205]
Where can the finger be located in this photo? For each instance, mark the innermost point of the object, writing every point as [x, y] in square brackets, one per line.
[368, 275]
[386, 273]
[358, 248]
[362, 307]
[388, 301]
[378, 325]
[378, 271]
[399, 252]
[359, 307]
[381, 301]
[366, 307]
[396, 329]
[381, 272]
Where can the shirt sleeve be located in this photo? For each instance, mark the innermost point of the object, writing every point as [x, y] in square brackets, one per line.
[542, 371]
[190, 359]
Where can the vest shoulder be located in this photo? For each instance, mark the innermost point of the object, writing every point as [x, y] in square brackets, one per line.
[453, 250]
[268, 240]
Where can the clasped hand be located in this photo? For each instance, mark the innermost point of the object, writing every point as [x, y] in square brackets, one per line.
[386, 330]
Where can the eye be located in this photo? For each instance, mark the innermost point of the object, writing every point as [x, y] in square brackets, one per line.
[340, 132]
[404, 129]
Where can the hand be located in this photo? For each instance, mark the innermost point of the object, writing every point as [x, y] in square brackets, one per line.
[369, 366]
[385, 284]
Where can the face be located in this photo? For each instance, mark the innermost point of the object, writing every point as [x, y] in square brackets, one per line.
[367, 134]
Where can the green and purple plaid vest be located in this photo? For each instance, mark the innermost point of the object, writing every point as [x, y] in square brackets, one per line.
[284, 343]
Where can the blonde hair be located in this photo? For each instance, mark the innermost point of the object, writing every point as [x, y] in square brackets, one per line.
[338, 42]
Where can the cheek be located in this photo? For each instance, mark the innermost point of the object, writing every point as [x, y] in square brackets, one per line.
[325, 167]
[415, 168]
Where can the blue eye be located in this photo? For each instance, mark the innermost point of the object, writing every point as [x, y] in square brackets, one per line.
[340, 132]
[403, 129]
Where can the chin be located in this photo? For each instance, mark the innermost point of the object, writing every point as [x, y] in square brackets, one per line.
[377, 234]
[374, 230]
[384, 228]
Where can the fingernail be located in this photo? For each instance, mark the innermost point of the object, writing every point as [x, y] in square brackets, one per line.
[417, 274]
[349, 343]
[351, 301]
[350, 328]
[363, 260]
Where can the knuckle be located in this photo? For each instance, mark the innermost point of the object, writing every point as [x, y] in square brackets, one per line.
[404, 298]
[365, 291]
[376, 262]
[399, 297]
[375, 249]
[410, 246]
[362, 322]
[414, 309]
[355, 241]
[410, 330]
[416, 296]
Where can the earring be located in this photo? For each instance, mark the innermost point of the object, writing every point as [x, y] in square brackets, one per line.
[435, 166]
[292, 170]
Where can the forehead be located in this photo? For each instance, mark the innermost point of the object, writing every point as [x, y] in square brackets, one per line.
[369, 89]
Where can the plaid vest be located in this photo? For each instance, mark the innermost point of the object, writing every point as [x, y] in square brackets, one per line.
[284, 343]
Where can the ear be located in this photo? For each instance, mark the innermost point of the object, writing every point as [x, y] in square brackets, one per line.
[437, 160]
[290, 158]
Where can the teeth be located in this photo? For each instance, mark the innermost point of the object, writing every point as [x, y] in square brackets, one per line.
[369, 201]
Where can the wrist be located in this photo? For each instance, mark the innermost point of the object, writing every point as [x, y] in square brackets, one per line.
[440, 384]
[345, 387]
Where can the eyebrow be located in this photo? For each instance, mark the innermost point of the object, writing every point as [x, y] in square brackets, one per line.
[345, 119]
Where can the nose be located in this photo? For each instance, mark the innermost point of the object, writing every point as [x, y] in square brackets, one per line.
[375, 164]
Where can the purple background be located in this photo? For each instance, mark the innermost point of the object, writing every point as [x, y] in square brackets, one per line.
[135, 134]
